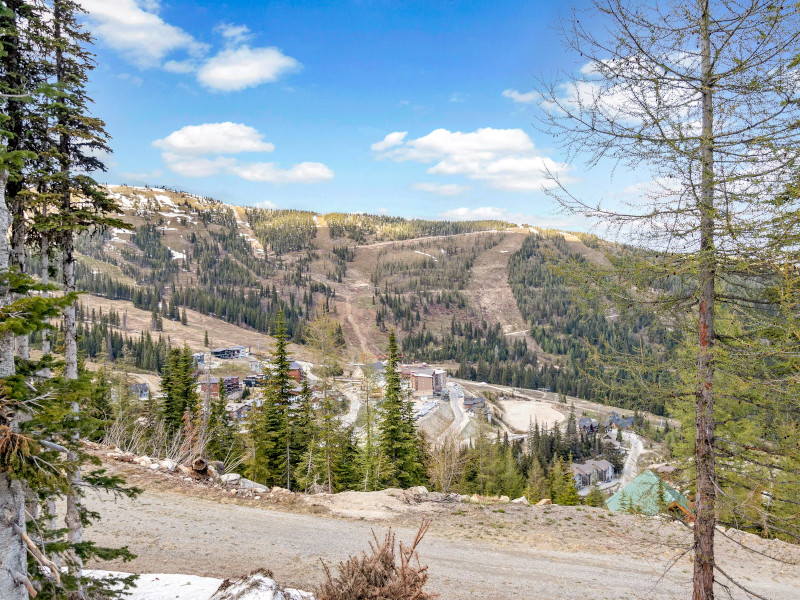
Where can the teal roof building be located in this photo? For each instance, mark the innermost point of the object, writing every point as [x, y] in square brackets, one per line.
[648, 494]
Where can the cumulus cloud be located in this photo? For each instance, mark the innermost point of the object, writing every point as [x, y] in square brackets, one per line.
[135, 30]
[239, 68]
[442, 189]
[503, 158]
[209, 149]
[521, 98]
[390, 141]
[306, 172]
[215, 138]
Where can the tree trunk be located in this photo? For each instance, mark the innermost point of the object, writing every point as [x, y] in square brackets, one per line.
[705, 496]
[45, 280]
[6, 339]
[13, 557]
[70, 326]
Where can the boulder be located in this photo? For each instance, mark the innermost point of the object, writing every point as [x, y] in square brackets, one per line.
[420, 490]
[154, 466]
[184, 470]
[544, 502]
[246, 484]
[168, 465]
[144, 461]
[505, 499]
[521, 500]
[230, 478]
[259, 585]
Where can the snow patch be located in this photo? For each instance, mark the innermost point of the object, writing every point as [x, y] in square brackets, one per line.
[426, 254]
[175, 255]
[160, 586]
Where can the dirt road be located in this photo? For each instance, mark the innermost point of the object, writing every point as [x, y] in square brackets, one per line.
[172, 532]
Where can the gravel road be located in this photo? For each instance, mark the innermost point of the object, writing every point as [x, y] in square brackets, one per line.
[172, 532]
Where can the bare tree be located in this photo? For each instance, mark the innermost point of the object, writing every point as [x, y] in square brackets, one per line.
[702, 96]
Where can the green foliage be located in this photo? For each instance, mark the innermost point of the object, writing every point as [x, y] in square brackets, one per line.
[178, 387]
[399, 444]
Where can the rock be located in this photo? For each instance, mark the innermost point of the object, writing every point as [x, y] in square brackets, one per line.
[154, 467]
[168, 465]
[544, 502]
[521, 500]
[475, 498]
[218, 465]
[144, 461]
[259, 585]
[505, 499]
[184, 470]
[418, 490]
[212, 470]
[230, 478]
[246, 484]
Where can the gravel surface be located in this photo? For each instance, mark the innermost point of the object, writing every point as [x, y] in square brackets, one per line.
[473, 551]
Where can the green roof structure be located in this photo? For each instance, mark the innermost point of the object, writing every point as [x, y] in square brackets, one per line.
[642, 496]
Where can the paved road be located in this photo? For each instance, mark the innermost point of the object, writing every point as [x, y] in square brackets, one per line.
[175, 533]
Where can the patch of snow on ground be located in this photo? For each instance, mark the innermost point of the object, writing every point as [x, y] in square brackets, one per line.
[177, 255]
[171, 215]
[162, 586]
[503, 251]
[165, 200]
[426, 254]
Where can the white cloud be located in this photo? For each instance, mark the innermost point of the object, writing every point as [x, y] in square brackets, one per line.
[136, 31]
[390, 141]
[307, 172]
[521, 98]
[181, 66]
[205, 150]
[475, 214]
[236, 34]
[239, 68]
[197, 166]
[442, 189]
[503, 158]
[563, 222]
[215, 138]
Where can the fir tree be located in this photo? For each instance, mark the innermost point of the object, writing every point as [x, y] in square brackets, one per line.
[398, 437]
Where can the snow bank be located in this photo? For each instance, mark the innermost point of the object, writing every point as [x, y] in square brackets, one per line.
[256, 586]
[160, 586]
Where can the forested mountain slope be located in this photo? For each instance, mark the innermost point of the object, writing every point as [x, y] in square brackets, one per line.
[484, 297]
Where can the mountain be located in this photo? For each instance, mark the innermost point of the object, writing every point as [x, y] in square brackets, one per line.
[487, 299]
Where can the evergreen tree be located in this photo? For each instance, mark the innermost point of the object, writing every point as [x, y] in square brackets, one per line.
[537, 487]
[398, 438]
[596, 498]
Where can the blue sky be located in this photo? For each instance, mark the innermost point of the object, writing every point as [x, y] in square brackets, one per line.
[289, 104]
